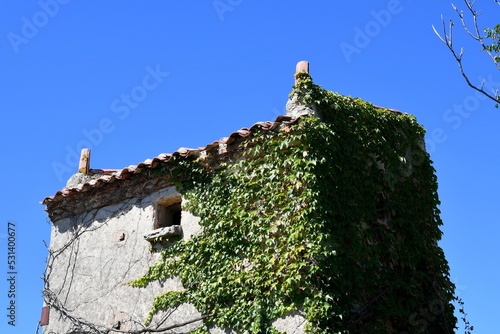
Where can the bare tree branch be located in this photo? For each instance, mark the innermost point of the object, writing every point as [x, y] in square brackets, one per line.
[475, 33]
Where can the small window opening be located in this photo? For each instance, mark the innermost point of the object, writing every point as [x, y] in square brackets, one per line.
[168, 211]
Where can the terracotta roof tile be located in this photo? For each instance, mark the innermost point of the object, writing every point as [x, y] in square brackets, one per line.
[105, 176]
[98, 178]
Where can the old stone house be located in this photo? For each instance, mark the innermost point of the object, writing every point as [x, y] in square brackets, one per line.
[324, 220]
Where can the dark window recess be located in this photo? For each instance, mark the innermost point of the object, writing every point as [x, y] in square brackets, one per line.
[168, 212]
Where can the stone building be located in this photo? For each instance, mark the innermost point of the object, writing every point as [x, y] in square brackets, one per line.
[112, 227]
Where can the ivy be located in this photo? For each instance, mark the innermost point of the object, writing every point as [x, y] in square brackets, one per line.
[337, 217]
[494, 47]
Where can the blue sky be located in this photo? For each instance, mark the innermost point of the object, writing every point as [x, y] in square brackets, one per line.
[134, 79]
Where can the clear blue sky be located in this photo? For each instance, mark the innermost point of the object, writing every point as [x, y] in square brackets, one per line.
[144, 78]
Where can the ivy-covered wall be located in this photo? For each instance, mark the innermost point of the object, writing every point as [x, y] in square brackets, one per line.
[336, 218]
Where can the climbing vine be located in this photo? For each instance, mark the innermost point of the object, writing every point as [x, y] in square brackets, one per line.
[334, 218]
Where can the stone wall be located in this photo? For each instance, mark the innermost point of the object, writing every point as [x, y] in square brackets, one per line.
[96, 254]
[93, 257]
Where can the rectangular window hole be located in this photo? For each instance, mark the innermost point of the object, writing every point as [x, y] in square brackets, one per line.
[168, 211]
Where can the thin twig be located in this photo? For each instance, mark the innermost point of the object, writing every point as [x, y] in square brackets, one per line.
[447, 38]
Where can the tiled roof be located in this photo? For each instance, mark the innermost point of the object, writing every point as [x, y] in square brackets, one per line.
[106, 178]
[105, 181]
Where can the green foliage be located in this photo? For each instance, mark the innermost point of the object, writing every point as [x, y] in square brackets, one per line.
[463, 316]
[337, 218]
[494, 47]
